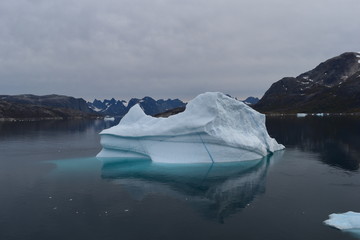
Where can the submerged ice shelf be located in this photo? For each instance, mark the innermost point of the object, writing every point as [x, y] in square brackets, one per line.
[213, 128]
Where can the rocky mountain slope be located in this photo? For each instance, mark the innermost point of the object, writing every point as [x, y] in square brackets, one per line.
[251, 100]
[333, 86]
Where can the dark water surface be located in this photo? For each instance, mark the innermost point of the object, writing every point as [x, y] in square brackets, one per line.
[52, 186]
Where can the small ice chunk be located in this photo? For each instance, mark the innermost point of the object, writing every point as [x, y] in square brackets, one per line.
[301, 114]
[344, 221]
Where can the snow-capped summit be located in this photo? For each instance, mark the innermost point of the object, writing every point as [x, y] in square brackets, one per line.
[213, 128]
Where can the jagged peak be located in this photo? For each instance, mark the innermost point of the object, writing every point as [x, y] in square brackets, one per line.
[148, 104]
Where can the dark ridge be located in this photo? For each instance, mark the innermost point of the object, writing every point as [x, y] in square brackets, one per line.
[170, 112]
[33, 107]
[332, 87]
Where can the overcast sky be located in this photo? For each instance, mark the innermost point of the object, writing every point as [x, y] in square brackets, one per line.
[167, 48]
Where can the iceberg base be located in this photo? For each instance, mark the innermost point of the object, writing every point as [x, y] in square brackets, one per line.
[184, 149]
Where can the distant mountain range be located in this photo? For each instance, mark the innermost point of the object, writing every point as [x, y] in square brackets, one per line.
[33, 107]
[333, 86]
[44, 107]
[119, 108]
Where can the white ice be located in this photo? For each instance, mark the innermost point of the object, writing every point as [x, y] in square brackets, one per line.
[301, 114]
[213, 128]
[108, 118]
[344, 221]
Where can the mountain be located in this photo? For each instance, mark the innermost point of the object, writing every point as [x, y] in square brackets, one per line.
[333, 86]
[48, 106]
[174, 111]
[251, 100]
[58, 101]
[170, 112]
[120, 108]
[108, 107]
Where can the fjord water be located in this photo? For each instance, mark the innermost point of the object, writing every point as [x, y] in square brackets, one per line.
[53, 187]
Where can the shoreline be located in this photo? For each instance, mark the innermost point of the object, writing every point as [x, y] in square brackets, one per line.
[296, 115]
[319, 114]
[34, 119]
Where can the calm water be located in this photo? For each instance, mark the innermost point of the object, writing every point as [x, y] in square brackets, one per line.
[52, 186]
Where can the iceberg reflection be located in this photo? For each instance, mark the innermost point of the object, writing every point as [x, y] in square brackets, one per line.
[217, 190]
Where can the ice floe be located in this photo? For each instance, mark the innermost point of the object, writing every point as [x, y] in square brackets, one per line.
[344, 221]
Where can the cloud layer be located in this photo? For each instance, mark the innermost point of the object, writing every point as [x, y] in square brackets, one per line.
[167, 48]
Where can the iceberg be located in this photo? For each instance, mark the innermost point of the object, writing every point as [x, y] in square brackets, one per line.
[344, 221]
[213, 128]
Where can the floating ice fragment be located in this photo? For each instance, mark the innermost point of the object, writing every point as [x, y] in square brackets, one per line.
[344, 221]
[301, 114]
[213, 128]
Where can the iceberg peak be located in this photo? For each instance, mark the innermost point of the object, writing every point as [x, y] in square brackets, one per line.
[213, 127]
[135, 113]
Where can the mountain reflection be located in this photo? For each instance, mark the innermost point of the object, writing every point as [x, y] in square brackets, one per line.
[217, 190]
[335, 138]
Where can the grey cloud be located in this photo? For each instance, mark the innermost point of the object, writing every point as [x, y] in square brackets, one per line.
[166, 48]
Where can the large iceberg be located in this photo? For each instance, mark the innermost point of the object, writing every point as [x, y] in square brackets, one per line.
[213, 128]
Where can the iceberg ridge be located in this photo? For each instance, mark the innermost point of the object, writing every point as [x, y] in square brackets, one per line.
[213, 128]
